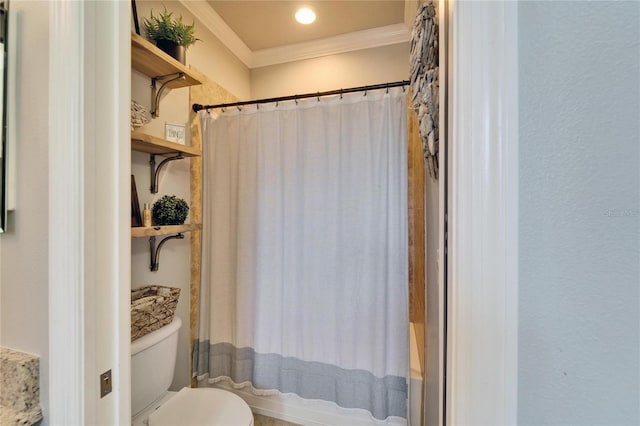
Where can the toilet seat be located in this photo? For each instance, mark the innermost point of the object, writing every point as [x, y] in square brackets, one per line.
[203, 406]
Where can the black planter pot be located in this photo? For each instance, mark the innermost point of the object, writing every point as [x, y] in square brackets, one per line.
[173, 49]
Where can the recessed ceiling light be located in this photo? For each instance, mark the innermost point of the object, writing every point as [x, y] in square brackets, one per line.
[305, 15]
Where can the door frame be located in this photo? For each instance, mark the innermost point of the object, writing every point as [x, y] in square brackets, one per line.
[90, 263]
[482, 258]
[89, 237]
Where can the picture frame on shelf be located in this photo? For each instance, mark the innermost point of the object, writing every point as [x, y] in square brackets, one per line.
[134, 12]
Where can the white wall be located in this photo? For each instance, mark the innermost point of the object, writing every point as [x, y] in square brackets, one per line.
[213, 59]
[579, 206]
[371, 66]
[23, 266]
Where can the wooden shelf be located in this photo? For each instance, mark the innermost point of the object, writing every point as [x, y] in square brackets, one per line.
[153, 62]
[158, 146]
[141, 231]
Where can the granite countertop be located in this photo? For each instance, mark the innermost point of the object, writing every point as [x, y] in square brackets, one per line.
[19, 388]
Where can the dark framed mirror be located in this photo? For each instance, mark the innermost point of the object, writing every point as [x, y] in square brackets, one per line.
[3, 113]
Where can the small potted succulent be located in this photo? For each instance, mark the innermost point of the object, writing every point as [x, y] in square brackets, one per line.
[170, 35]
[170, 210]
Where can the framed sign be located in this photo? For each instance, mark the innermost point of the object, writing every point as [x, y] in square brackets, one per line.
[175, 132]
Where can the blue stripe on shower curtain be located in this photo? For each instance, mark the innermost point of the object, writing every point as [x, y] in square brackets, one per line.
[382, 396]
[304, 272]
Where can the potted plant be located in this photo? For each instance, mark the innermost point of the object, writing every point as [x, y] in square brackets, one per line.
[170, 35]
[169, 210]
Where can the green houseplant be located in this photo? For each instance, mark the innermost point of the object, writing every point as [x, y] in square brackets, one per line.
[170, 35]
[169, 210]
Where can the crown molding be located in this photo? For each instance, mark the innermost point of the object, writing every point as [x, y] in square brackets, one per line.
[214, 23]
[358, 40]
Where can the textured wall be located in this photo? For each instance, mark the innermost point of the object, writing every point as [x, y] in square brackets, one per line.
[579, 213]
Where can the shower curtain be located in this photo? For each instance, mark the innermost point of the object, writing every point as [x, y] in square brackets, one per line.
[304, 266]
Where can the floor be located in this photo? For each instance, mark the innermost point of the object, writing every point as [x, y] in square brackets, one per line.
[259, 420]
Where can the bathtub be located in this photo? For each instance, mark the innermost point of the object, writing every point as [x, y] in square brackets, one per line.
[294, 409]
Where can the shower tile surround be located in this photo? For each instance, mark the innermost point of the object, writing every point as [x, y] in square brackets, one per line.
[19, 388]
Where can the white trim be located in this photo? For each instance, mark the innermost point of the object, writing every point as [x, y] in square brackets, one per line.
[483, 225]
[89, 242]
[358, 40]
[107, 59]
[66, 213]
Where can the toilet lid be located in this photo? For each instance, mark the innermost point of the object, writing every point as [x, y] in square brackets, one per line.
[204, 406]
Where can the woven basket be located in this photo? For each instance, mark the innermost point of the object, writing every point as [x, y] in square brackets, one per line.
[152, 307]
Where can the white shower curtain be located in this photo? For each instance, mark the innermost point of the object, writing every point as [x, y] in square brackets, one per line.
[304, 267]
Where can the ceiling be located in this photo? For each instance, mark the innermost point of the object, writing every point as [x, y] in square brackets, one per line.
[266, 24]
[263, 32]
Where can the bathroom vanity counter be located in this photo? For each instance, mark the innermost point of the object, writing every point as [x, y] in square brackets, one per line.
[19, 388]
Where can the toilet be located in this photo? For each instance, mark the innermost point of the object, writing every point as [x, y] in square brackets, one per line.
[153, 360]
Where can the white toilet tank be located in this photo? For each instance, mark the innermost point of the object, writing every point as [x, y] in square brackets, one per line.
[153, 361]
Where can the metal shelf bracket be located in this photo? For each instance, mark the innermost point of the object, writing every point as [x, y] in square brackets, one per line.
[155, 94]
[154, 172]
[155, 250]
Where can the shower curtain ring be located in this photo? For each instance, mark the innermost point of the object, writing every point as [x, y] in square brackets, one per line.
[365, 93]
[387, 90]
[340, 93]
[222, 109]
[238, 106]
[318, 96]
[277, 104]
[257, 106]
[296, 100]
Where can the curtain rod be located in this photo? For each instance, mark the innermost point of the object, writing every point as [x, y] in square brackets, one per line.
[198, 107]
